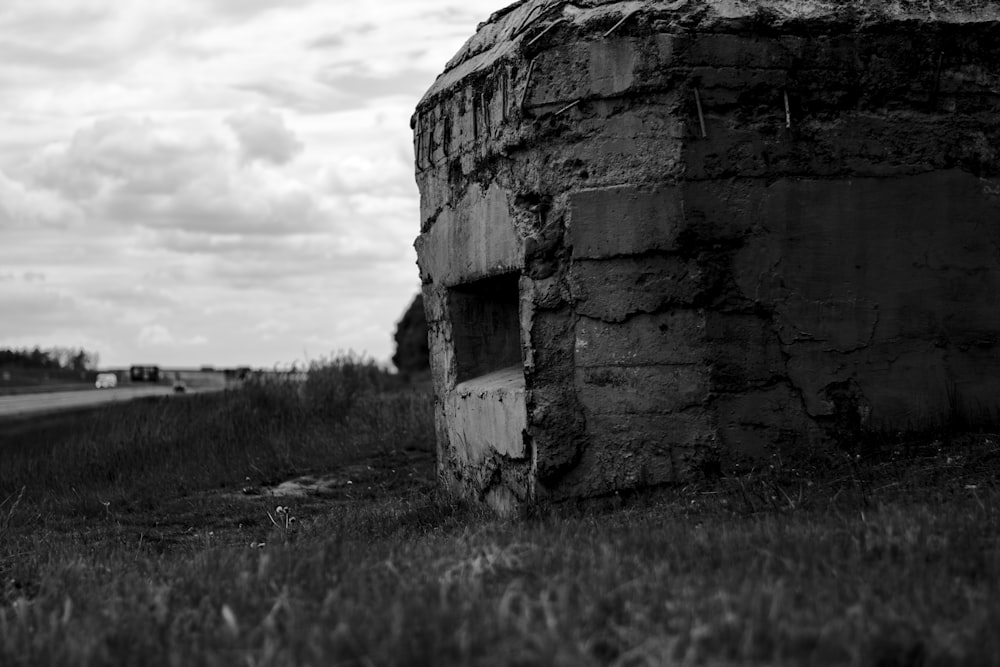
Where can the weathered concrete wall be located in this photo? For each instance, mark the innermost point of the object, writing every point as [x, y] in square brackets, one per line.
[722, 229]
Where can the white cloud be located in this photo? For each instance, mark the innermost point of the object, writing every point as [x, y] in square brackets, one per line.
[29, 207]
[263, 136]
[229, 179]
[379, 175]
[271, 329]
[157, 335]
[176, 175]
[153, 335]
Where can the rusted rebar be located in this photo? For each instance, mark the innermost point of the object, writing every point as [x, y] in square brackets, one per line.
[623, 19]
[527, 83]
[546, 30]
[701, 114]
[526, 23]
[533, 18]
[504, 84]
[484, 107]
[419, 127]
[567, 108]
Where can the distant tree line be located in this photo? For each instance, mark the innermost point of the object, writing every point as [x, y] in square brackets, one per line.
[51, 359]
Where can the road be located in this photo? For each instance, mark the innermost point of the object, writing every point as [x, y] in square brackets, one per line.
[28, 404]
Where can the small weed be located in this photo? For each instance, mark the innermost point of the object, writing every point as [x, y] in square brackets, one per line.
[7, 509]
[284, 522]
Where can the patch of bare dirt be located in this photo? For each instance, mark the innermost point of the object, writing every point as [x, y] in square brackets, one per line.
[384, 474]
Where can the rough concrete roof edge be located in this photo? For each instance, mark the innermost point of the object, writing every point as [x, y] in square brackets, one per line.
[492, 41]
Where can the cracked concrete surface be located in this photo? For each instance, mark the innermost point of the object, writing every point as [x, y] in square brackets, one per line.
[715, 229]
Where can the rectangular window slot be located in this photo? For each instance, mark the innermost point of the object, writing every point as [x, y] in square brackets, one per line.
[486, 325]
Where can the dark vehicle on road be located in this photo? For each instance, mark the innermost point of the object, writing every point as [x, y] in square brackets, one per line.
[144, 373]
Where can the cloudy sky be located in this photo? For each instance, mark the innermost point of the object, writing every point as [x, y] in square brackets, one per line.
[219, 182]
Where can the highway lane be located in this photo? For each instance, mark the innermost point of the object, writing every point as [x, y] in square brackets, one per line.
[29, 404]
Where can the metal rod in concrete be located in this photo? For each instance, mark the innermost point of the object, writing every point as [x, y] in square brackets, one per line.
[527, 83]
[701, 115]
[420, 140]
[484, 106]
[475, 118]
[544, 32]
[504, 83]
[567, 108]
[528, 20]
[623, 19]
[532, 17]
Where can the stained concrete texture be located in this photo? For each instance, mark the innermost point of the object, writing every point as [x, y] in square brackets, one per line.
[660, 238]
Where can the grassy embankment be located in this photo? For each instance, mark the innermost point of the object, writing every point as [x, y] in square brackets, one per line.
[132, 542]
[31, 381]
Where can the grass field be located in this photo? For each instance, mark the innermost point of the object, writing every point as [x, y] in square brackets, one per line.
[45, 388]
[147, 534]
[16, 380]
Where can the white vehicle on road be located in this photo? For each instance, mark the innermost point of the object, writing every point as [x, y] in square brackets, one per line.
[106, 381]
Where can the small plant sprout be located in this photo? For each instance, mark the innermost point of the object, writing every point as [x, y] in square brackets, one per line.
[8, 514]
[283, 521]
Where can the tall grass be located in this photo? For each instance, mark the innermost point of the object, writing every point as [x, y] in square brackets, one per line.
[146, 450]
[888, 560]
[419, 582]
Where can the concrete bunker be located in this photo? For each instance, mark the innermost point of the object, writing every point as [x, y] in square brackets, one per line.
[661, 237]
